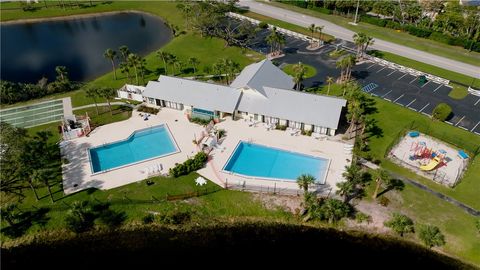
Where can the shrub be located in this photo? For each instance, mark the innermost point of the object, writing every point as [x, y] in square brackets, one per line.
[190, 165]
[199, 121]
[112, 218]
[337, 53]
[373, 20]
[146, 109]
[176, 217]
[419, 32]
[281, 127]
[263, 25]
[394, 25]
[442, 111]
[400, 224]
[333, 210]
[477, 225]
[431, 235]
[321, 10]
[384, 201]
[307, 132]
[149, 218]
[80, 217]
[362, 217]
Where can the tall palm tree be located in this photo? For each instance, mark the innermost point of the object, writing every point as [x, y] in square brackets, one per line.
[312, 29]
[299, 74]
[125, 68]
[173, 61]
[304, 181]
[350, 62]
[133, 61]
[368, 41]
[329, 81]
[93, 94]
[359, 39]
[353, 173]
[381, 176]
[164, 56]
[61, 72]
[124, 51]
[111, 55]
[319, 30]
[194, 62]
[108, 93]
[346, 189]
[354, 113]
[179, 65]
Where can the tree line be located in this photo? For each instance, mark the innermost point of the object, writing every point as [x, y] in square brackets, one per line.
[12, 92]
[444, 21]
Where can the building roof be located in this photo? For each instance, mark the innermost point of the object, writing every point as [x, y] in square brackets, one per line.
[261, 74]
[201, 95]
[295, 106]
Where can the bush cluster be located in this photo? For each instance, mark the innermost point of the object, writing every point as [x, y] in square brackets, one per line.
[263, 25]
[442, 112]
[190, 165]
[281, 127]
[146, 109]
[199, 121]
[307, 132]
[82, 216]
[176, 217]
[12, 92]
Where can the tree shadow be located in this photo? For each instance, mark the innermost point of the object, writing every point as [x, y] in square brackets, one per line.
[25, 220]
[395, 184]
[160, 71]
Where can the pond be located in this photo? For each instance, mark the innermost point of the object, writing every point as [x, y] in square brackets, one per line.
[32, 50]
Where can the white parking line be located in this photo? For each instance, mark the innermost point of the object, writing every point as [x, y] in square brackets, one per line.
[412, 109]
[371, 66]
[424, 107]
[410, 103]
[403, 76]
[425, 84]
[413, 80]
[387, 93]
[463, 128]
[388, 99]
[459, 120]
[391, 73]
[426, 114]
[475, 126]
[476, 102]
[399, 98]
[381, 69]
[437, 88]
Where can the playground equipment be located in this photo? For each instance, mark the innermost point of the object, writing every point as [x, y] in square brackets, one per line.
[432, 164]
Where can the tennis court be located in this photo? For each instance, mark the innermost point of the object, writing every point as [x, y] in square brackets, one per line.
[37, 114]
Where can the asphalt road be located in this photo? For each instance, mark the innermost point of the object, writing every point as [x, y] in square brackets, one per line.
[343, 33]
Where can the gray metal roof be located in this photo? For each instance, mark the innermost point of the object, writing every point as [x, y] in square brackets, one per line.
[262, 74]
[292, 105]
[201, 95]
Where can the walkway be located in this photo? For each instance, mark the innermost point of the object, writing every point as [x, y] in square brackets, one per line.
[104, 104]
[345, 34]
[459, 204]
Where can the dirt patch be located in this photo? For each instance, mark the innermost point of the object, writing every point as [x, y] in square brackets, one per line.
[379, 214]
[288, 203]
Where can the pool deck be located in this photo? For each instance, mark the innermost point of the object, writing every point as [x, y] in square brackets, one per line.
[78, 170]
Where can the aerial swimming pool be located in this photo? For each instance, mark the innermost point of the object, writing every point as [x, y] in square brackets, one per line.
[142, 145]
[260, 161]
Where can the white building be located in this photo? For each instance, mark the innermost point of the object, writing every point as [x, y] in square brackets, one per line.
[262, 92]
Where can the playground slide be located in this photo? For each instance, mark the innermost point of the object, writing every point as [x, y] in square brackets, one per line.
[430, 166]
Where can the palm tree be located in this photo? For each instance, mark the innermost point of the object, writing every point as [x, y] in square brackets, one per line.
[312, 29]
[319, 30]
[368, 41]
[133, 61]
[350, 62]
[346, 189]
[299, 70]
[194, 62]
[329, 81]
[108, 93]
[124, 51]
[164, 56]
[61, 72]
[359, 39]
[172, 59]
[353, 173]
[93, 94]
[125, 68]
[43, 176]
[304, 181]
[381, 176]
[111, 55]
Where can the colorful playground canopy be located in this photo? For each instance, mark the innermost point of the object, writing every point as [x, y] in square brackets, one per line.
[462, 154]
[413, 134]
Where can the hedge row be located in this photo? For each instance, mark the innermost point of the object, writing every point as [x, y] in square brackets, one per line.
[423, 33]
[190, 165]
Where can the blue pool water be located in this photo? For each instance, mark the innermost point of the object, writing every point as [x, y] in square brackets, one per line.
[141, 145]
[265, 162]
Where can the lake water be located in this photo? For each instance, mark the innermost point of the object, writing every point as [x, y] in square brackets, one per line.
[32, 50]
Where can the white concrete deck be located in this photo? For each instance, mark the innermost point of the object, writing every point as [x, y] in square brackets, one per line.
[239, 130]
[78, 170]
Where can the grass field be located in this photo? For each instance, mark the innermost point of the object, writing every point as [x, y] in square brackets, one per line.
[405, 39]
[119, 113]
[310, 70]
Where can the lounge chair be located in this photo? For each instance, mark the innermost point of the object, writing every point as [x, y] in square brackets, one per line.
[316, 135]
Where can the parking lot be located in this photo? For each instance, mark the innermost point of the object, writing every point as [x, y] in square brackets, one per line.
[384, 82]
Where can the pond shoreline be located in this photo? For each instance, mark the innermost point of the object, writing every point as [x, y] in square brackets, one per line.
[78, 16]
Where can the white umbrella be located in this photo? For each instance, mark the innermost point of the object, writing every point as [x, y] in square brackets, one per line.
[200, 181]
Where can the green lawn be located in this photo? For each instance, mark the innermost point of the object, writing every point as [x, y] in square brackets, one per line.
[310, 70]
[138, 199]
[286, 25]
[52, 127]
[405, 39]
[457, 226]
[447, 74]
[119, 113]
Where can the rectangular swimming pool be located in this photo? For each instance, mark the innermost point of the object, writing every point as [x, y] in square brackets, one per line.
[260, 161]
[142, 145]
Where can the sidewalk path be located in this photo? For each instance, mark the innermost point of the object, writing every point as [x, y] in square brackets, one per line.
[345, 34]
[104, 104]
